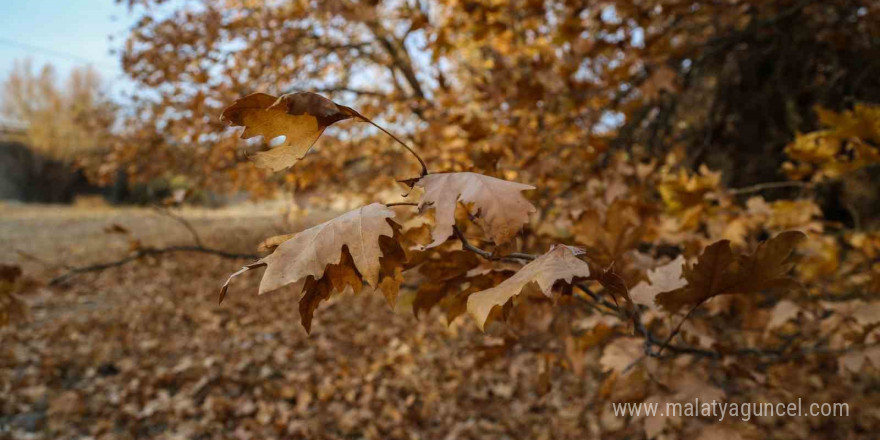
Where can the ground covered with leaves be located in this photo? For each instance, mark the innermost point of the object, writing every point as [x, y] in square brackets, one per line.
[145, 351]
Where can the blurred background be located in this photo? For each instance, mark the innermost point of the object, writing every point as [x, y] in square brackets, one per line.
[710, 113]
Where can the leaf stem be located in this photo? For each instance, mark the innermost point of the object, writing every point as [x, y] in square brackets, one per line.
[408, 148]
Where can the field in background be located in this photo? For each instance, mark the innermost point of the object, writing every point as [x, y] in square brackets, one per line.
[43, 238]
[145, 351]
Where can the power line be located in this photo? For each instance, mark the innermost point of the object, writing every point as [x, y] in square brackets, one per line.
[54, 53]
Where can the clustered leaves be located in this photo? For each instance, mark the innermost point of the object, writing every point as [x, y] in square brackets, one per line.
[463, 251]
[507, 291]
[348, 250]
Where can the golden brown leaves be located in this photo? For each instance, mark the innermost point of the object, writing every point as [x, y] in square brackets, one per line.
[847, 144]
[498, 206]
[718, 271]
[299, 117]
[356, 247]
[310, 251]
[559, 264]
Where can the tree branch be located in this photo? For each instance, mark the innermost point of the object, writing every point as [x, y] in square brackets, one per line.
[769, 185]
[148, 251]
[466, 245]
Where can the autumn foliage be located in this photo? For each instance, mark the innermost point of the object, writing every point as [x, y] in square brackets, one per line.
[675, 198]
[367, 247]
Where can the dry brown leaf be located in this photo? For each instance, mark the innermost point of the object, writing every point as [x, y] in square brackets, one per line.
[718, 271]
[662, 279]
[390, 286]
[559, 264]
[336, 278]
[608, 236]
[300, 117]
[271, 243]
[392, 264]
[446, 275]
[498, 205]
[309, 252]
[116, 229]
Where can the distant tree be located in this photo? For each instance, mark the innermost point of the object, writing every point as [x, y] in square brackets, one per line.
[62, 121]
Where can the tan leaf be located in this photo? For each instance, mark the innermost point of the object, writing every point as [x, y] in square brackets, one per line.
[662, 279]
[299, 117]
[309, 252]
[718, 271]
[498, 205]
[559, 264]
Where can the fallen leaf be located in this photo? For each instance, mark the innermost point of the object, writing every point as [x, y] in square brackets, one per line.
[784, 311]
[300, 117]
[498, 205]
[116, 229]
[621, 353]
[686, 389]
[558, 264]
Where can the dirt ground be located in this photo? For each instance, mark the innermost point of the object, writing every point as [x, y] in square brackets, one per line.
[145, 351]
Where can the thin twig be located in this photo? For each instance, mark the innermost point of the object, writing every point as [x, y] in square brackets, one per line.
[186, 224]
[466, 245]
[678, 327]
[402, 204]
[46, 263]
[769, 185]
[147, 252]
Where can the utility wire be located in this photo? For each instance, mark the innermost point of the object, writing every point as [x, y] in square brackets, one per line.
[54, 53]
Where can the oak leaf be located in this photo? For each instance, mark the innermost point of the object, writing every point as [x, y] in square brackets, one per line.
[559, 264]
[336, 278]
[718, 271]
[498, 205]
[308, 253]
[300, 117]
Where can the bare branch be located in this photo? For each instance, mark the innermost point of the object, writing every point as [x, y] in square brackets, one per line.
[466, 245]
[769, 185]
[147, 252]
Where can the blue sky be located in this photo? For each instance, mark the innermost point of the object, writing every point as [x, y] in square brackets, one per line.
[65, 33]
